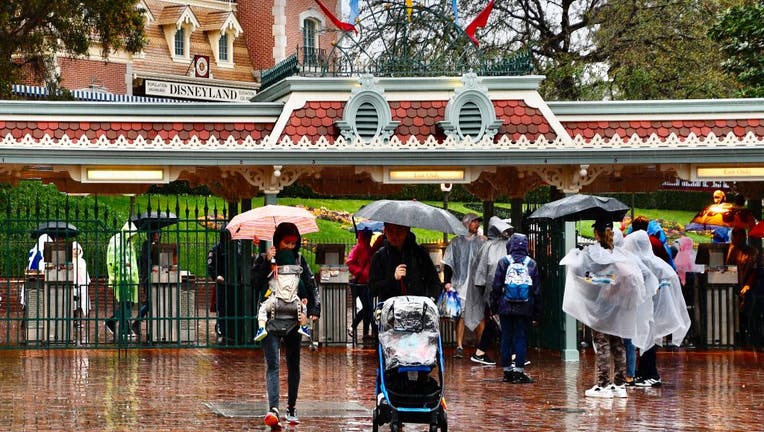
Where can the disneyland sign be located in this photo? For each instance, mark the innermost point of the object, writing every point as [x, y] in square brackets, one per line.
[197, 91]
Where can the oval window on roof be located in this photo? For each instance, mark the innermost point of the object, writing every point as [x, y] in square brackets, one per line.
[470, 120]
[367, 121]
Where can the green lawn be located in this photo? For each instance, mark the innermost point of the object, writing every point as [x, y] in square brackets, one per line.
[672, 221]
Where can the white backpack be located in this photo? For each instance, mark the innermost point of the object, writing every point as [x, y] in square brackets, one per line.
[517, 281]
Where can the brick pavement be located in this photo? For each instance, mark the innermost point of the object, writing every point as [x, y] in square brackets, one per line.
[173, 389]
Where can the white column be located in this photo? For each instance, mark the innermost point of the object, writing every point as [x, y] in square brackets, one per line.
[570, 349]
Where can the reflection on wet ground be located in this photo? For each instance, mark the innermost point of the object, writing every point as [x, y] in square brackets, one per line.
[179, 390]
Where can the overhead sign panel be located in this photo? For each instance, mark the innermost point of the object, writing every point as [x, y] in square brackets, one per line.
[197, 91]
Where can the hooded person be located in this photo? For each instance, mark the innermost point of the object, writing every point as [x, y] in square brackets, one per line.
[122, 269]
[516, 310]
[359, 263]
[603, 288]
[458, 262]
[644, 310]
[685, 259]
[285, 252]
[670, 317]
[479, 286]
[82, 280]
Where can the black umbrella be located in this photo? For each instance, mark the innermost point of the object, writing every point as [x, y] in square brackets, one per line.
[154, 220]
[582, 207]
[412, 214]
[55, 229]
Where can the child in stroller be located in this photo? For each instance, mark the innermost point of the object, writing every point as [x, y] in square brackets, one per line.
[409, 351]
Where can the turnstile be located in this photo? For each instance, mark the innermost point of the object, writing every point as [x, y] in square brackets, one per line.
[49, 304]
[172, 301]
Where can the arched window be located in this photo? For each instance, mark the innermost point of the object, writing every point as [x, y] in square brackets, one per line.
[310, 42]
[223, 48]
[180, 42]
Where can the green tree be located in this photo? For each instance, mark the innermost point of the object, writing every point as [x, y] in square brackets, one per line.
[740, 31]
[33, 32]
[663, 52]
[593, 49]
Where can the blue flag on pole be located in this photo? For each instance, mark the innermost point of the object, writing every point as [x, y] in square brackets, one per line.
[455, 8]
[353, 11]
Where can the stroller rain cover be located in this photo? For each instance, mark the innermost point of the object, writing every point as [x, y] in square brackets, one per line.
[409, 332]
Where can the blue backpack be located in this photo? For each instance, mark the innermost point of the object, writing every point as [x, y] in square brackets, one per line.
[518, 281]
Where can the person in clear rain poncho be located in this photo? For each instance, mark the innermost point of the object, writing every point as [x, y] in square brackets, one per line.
[644, 310]
[457, 262]
[603, 290]
[670, 317]
[479, 287]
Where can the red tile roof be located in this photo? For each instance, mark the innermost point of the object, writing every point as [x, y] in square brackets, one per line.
[520, 119]
[664, 128]
[417, 118]
[132, 130]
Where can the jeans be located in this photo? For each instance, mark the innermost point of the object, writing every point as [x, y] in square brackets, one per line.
[631, 358]
[271, 345]
[514, 329]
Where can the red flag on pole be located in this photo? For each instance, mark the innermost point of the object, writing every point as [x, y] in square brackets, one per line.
[480, 21]
[344, 26]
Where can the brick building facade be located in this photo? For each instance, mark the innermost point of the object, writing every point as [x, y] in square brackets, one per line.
[213, 50]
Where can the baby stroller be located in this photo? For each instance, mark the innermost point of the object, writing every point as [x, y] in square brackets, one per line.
[409, 351]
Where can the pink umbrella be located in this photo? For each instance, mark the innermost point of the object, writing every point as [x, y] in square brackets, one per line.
[262, 222]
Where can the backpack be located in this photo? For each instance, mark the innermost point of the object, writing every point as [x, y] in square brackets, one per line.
[285, 283]
[517, 281]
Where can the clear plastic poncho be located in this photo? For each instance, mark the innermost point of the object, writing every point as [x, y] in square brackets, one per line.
[645, 309]
[483, 271]
[603, 289]
[459, 255]
[409, 332]
[670, 315]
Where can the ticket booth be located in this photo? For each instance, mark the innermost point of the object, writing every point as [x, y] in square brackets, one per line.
[171, 299]
[718, 295]
[333, 290]
[49, 297]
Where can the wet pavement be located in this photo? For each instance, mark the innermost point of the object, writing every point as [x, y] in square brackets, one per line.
[189, 389]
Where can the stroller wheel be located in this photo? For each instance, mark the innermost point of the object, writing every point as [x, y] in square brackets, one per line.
[443, 421]
[394, 427]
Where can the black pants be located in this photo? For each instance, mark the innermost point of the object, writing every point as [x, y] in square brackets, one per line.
[361, 291]
[490, 333]
[647, 364]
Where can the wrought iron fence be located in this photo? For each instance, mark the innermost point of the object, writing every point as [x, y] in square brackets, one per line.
[177, 303]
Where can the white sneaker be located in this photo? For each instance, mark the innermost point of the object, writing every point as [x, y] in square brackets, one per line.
[618, 391]
[599, 392]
